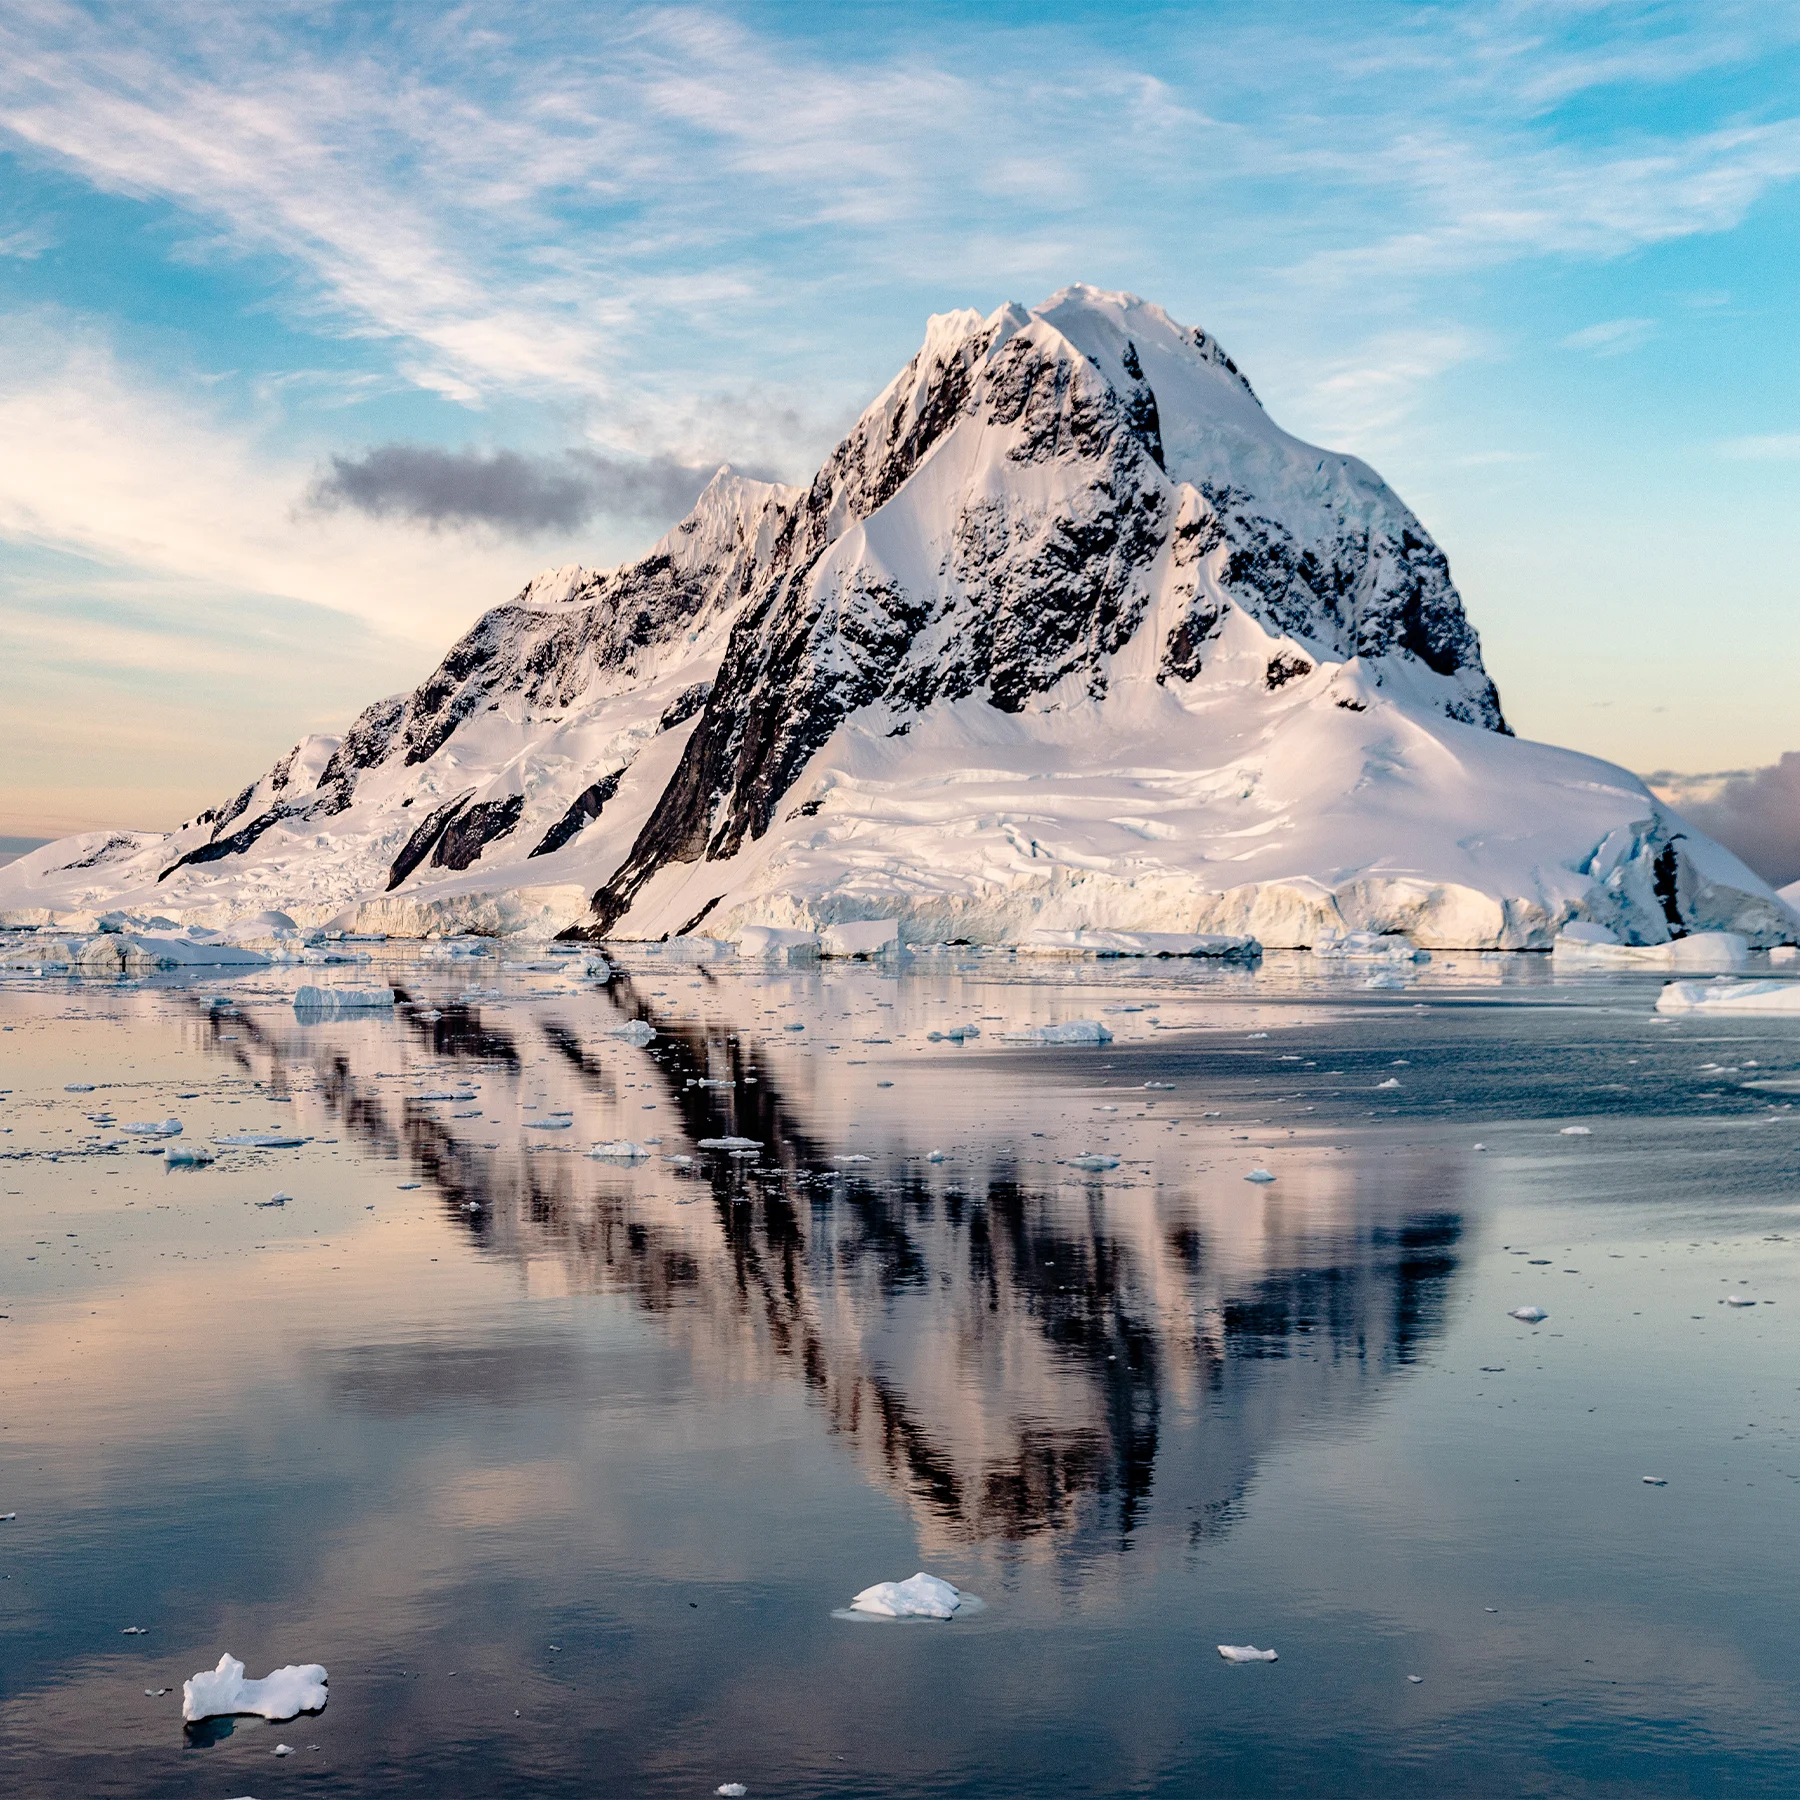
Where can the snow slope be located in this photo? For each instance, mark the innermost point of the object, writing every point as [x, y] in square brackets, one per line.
[1065, 633]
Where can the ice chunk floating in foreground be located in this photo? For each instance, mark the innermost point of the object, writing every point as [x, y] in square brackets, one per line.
[281, 1694]
[1246, 1653]
[921, 1596]
[341, 1000]
[1073, 1031]
[1531, 1315]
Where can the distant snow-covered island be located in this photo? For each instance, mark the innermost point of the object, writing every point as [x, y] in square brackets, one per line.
[1065, 636]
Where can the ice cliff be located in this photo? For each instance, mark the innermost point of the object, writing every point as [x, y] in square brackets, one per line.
[1065, 634]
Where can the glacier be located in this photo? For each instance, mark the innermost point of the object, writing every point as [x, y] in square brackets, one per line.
[1066, 637]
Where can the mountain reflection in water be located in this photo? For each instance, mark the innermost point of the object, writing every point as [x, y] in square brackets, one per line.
[1042, 1360]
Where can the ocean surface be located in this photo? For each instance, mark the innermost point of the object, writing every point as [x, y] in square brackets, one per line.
[564, 1467]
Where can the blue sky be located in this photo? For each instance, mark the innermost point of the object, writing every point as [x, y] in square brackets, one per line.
[1535, 262]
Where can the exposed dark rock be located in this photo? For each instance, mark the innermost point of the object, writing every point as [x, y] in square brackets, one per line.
[424, 840]
[469, 833]
[583, 810]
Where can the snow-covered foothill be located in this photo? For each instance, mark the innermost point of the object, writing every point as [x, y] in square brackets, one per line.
[1584, 945]
[282, 1694]
[920, 1596]
[1730, 997]
[1065, 635]
[1042, 942]
[1071, 1031]
[327, 1001]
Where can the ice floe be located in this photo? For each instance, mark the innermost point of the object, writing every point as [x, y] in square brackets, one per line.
[1368, 946]
[325, 1000]
[1093, 1161]
[262, 1140]
[1043, 942]
[282, 1694]
[1531, 1315]
[195, 1155]
[920, 1596]
[618, 1150]
[154, 1128]
[1259, 1176]
[1071, 1031]
[730, 1143]
[773, 943]
[1730, 996]
[1585, 945]
[1246, 1653]
[633, 1031]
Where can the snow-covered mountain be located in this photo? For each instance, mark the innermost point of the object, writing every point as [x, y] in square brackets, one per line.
[1066, 632]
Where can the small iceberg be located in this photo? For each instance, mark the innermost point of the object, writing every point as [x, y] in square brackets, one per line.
[860, 938]
[1246, 1653]
[1730, 996]
[730, 1143]
[634, 1031]
[548, 1124]
[282, 1694]
[1738, 1300]
[1140, 943]
[155, 1128]
[618, 1150]
[1586, 946]
[1530, 1315]
[921, 1596]
[1072, 1031]
[1369, 946]
[188, 1155]
[1092, 1160]
[323, 1002]
[1259, 1176]
[774, 943]
[263, 1140]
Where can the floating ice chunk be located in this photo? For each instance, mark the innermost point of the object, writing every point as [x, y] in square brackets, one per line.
[921, 1596]
[1259, 1176]
[955, 1035]
[195, 1155]
[1656, 1481]
[282, 1750]
[548, 1124]
[772, 943]
[1730, 996]
[323, 1001]
[732, 1790]
[935, 1156]
[1160, 1084]
[1368, 946]
[633, 1031]
[135, 1631]
[1384, 978]
[1093, 1161]
[1246, 1653]
[856, 1157]
[1071, 1031]
[460, 1094]
[79, 1087]
[263, 1140]
[154, 1128]
[1393, 1081]
[1738, 1300]
[1139, 943]
[282, 1694]
[618, 1150]
[731, 1143]
[1532, 1315]
[1576, 1131]
[1708, 951]
[861, 937]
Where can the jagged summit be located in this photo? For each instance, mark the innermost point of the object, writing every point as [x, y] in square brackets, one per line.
[1065, 631]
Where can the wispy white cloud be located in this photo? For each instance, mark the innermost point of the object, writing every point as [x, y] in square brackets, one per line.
[1612, 337]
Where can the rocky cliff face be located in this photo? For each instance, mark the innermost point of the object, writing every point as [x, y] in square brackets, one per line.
[1065, 632]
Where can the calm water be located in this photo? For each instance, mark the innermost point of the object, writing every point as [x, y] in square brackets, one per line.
[561, 1466]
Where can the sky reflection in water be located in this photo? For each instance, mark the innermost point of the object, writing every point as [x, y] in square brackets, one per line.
[603, 1445]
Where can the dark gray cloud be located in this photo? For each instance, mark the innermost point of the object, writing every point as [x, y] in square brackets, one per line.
[1755, 813]
[505, 490]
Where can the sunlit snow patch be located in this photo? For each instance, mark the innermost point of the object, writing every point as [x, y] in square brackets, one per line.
[282, 1694]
